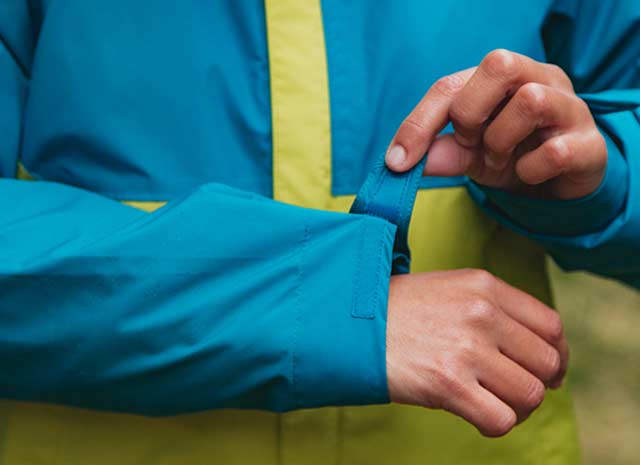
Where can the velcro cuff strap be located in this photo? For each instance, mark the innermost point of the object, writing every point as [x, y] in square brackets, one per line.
[391, 196]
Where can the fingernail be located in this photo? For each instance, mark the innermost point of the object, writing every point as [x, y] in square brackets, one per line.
[396, 156]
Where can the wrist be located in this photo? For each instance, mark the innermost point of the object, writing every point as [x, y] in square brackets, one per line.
[584, 215]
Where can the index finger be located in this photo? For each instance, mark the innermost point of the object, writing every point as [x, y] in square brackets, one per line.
[426, 120]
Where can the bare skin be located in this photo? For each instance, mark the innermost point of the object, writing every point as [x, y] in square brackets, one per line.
[462, 340]
[518, 126]
[469, 343]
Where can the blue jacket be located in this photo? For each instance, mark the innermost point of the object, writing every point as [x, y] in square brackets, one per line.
[224, 297]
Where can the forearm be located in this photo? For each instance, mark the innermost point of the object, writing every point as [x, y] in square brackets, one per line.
[187, 309]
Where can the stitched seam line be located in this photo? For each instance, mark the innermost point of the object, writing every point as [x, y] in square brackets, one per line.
[377, 187]
[376, 289]
[298, 310]
[408, 203]
[416, 185]
[401, 201]
[373, 185]
[355, 309]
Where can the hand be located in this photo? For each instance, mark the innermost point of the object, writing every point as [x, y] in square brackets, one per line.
[518, 125]
[466, 342]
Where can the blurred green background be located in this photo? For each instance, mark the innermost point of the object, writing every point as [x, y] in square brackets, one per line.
[602, 321]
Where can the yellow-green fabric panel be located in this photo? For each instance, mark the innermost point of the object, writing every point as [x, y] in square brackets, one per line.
[145, 206]
[149, 206]
[301, 126]
[22, 173]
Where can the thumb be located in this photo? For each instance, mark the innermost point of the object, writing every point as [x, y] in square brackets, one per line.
[448, 158]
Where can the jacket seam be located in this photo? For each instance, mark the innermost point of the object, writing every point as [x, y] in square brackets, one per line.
[297, 317]
[356, 288]
[402, 202]
[376, 291]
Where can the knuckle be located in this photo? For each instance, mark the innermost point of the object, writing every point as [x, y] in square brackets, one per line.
[555, 70]
[482, 279]
[559, 76]
[555, 327]
[501, 63]
[493, 142]
[411, 132]
[414, 124]
[558, 154]
[464, 118]
[481, 312]
[500, 424]
[468, 351]
[532, 99]
[584, 108]
[600, 147]
[449, 85]
[534, 395]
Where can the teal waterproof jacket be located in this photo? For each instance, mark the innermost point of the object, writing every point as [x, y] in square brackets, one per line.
[225, 297]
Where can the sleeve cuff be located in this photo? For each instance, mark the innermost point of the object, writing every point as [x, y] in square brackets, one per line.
[340, 353]
[581, 216]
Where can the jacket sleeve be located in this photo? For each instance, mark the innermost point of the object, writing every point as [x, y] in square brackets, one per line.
[597, 45]
[220, 299]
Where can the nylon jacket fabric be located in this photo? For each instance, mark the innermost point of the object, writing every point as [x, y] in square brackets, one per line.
[225, 298]
[163, 314]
